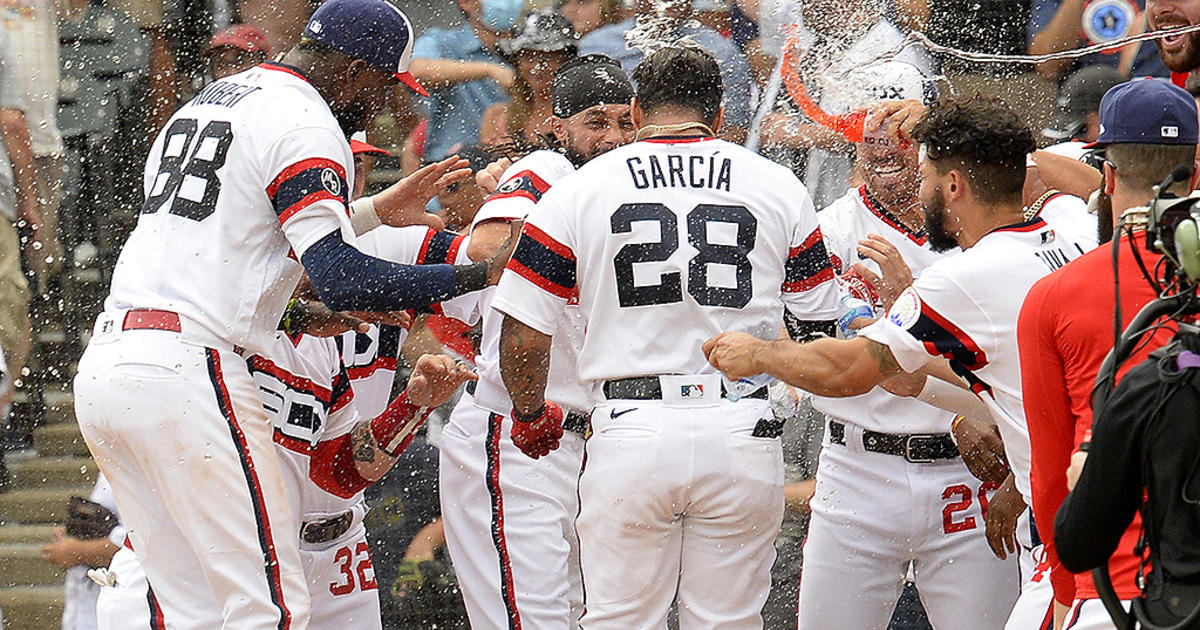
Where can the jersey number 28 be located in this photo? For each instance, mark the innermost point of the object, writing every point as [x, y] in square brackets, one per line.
[669, 289]
[204, 158]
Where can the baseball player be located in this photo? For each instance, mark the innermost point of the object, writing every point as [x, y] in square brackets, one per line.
[892, 487]
[509, 518]
[245, 180]
[962, 308]
[664, 241]
[350, 375]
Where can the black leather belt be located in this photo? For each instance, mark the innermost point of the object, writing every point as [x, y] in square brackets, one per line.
[918, 448]
[327, 529]
[575, 422]
[648, 388]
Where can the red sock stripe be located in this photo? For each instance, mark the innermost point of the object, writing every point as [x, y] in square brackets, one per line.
[507, 590]
[265, 540]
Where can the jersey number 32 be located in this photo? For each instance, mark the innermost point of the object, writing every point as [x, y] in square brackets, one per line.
[669, 288]
[192, 163]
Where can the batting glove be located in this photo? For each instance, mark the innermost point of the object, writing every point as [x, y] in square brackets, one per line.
[537, 435]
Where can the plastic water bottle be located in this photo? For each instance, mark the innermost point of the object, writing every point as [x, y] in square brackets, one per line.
[736, 390]
[852, 309]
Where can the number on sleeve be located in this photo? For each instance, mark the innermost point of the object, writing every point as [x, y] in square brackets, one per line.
[207, 156]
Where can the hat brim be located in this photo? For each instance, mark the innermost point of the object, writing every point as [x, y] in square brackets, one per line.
[407, 79]
[358, 147]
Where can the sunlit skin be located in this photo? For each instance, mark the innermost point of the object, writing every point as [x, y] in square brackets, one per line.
[585, 15]
[1180, 53]
[889, 171]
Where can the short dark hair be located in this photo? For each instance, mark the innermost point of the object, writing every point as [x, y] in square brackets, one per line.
[1141, 167]
[683, 76]
[983, 138]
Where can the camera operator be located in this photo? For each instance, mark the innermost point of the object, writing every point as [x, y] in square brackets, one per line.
[1062, 345]
[1150, 129]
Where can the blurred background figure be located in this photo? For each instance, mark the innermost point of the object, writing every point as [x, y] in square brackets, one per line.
[462, 200]
[543, 42]
[1076, 118]
[236, 48]
[464, 73]
[1057, 25]
[589, 15]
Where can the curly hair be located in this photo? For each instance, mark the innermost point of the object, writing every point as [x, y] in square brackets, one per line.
[984, 139]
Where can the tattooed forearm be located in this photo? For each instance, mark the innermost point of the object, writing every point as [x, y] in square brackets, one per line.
[362, 443]
[524, 364]
[883, 357]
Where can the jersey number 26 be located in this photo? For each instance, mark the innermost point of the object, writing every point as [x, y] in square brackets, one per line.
[206, 156]
[669, 289]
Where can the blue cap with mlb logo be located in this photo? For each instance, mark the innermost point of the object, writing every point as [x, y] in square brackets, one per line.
[375, 31]
[1147, 111]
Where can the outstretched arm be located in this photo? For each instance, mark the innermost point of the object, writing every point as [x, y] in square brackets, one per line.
[826, 367]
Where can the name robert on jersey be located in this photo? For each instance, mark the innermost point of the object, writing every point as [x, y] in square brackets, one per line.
[223, 93]
[702, 171]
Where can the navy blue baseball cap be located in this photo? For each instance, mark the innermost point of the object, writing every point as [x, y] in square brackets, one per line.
[375, 31]
[1147, 111]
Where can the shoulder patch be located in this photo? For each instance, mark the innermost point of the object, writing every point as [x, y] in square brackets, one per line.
[331, 181]
[907, 309]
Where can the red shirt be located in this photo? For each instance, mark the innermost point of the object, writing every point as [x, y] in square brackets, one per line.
[1064, 332]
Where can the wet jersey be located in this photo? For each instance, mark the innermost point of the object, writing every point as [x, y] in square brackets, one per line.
[521, 187]
[668, 242]
[964, 308]
[236, 189]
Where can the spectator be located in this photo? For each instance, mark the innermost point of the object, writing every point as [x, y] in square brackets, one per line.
[464, 73]
[588, 15]
[543, 43]
[237, 48]
[18, 207]
[668, 21]
[33, 37]
[88, 539]
[1058, 25]
[163, 97]
[1077, 109]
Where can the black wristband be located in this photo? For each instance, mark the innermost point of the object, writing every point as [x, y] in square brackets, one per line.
[528, 417]
[468, 278]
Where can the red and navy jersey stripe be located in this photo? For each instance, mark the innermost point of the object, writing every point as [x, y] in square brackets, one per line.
[440, 248]
[306, 182]
[1032, 225]
[808, 265]
[941, 337]
[343, 395]
[547, 263]
[879, 211]
[525, 184]
[291, 381]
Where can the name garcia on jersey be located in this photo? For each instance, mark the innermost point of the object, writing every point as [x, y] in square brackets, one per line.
[702, 171]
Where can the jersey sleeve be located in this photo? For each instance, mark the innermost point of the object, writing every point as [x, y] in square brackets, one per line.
[418, 245]
[932, 319]
[540, 276]
[308, 171]
[840, 249]
[464, 308]
[521, 187]
[342, 413]
[809, 290]
[1049, 417]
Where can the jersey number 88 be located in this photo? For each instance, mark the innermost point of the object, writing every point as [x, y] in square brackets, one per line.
[207, 155]
[669, 289]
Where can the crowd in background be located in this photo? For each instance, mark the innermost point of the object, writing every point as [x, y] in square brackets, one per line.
[86, 84]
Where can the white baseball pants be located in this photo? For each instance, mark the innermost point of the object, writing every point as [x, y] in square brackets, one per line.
[510, 523]
[683, 504]
[180, 432]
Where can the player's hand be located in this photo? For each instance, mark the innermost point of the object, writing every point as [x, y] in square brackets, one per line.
[499, 259]
[897, 118]
[982, 449]
[797, 496]
[488, 177]
[1076, 468]
[895, 276]
[403, 203]
[537, 437]
[1003, 509]
[735, 354]
[435, 378]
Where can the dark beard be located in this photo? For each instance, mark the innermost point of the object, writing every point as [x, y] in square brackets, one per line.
[940, 240]
[352, 118]
[577, 159]
[1188, 60]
